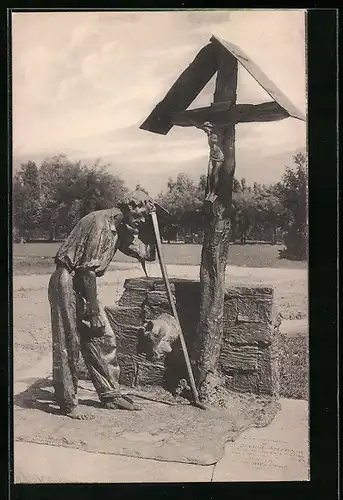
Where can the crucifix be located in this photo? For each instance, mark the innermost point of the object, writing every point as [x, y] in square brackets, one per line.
[218, 121]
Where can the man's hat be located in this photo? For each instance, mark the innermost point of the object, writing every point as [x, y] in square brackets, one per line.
[140, 198]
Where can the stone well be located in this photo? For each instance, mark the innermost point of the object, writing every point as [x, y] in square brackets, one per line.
[248, 358]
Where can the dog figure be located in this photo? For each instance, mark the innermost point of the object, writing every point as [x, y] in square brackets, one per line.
[161, 332]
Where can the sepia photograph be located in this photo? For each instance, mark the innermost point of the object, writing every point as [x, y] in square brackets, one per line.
[160, 246]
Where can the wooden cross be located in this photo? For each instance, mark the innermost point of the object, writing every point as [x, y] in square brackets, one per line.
[222, 57]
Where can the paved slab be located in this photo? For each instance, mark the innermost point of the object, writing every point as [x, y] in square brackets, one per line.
[279, 452]
[36, 463]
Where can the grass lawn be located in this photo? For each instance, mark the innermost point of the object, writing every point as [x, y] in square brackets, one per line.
[37, 258]
[294, 366]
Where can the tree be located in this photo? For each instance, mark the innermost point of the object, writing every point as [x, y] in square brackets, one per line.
[293, 191]
[26, 199]
[139, 187]
[184, 203]
[70, 190]
[62, 183]
[270, 214]
[102, 189]
[242, 213]
[236, 186]
[202, 185]
[53, 198]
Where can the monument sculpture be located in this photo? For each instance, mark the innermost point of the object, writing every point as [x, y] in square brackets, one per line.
[219, 121]
[229, 331]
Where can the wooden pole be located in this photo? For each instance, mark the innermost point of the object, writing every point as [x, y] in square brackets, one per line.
[217, 234]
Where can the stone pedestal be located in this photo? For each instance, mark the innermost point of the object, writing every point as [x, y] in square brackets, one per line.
[248, 358]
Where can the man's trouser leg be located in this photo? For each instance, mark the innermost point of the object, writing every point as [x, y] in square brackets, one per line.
[65, 338]
[100, 355]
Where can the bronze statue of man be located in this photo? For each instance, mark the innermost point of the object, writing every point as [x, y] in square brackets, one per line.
[78, 320]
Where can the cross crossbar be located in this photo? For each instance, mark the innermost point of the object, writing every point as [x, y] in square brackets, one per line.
[222, 115]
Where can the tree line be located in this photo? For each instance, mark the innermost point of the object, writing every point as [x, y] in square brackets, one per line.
[48, 201]
[275, 213]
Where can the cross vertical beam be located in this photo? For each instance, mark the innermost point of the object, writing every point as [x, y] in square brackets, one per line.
[217, 232]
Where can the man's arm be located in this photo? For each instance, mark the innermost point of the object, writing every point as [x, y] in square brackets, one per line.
[140, 246]
[135, 252]
[205, 127]
[90, 293]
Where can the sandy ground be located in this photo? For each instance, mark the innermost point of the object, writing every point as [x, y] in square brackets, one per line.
[31, 312]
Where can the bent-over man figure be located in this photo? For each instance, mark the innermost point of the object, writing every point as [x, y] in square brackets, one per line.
[78, 320]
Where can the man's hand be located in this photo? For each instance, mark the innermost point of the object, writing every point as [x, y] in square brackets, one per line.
[142, 261]
[150, 206]
[206, 126]
[97, 326]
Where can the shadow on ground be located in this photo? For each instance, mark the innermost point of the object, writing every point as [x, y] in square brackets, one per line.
[39, 396]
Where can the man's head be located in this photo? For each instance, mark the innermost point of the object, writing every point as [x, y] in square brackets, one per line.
[214, 139]
[207, 127]
[135, 207]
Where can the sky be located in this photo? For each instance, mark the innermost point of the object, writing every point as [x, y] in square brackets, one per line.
[83, 83]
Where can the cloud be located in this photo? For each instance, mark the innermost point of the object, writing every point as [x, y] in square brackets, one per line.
[84, 82]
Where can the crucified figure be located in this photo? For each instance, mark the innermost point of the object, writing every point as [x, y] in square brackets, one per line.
[215, 163]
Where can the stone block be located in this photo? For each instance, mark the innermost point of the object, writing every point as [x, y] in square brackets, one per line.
[124, 315]
[243, 382]
[133, 297]
[128, 370]
[243, 357]
[149, 373]
[127, 338]
[136, 370]
[152, 312]
[159, 286]
[248, 291]
[230, 313]
[156, 303]
[249, 333]
[255, 309]
[156, 298]
[139, 283]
